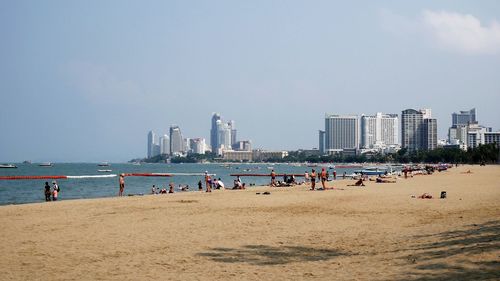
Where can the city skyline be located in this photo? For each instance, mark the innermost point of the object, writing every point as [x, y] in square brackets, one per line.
[90, 88]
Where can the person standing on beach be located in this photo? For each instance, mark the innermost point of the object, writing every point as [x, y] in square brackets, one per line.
[313, 179]
[208, 182]
[273, 178]
[47, 191]
[306, 177]
[122, 184]
[323, 178]
[200, 187]
[55, 193]
[334, 175]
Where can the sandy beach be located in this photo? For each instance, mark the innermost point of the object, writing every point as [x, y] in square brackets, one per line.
[376, 232]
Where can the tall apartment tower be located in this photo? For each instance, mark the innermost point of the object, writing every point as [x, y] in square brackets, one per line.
[176, 140]
[457, 133]
[379, 130]
[223, 135]
[214, 132]
[232, 125]
[151, 144]
[417, 132]
[165, 145]
[321, 147]
[341, 132]
[464, 117]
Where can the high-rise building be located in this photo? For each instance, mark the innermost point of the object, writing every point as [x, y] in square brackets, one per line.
[165, 145]
[457, 133]
[464, 117]
[341, 132]
[429, 136]
[379, 131]
[197, 145]
[176, 141]
[417, 132]
[152, 150]
[232, 125]
[321, 144]
[411, 129]
[223, 136]
[214, 132]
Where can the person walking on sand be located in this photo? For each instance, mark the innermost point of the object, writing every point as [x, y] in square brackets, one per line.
[323, 178]
[208, 182]
[273, 178]
[47, 191]
[122, 184]
[313, 179]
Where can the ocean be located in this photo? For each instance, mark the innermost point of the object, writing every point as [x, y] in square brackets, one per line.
[30, 191]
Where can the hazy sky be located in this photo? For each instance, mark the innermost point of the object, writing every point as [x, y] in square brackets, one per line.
[87, 80]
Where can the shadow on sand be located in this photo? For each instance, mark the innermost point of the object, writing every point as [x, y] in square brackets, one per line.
[469, 254]
[268, 255]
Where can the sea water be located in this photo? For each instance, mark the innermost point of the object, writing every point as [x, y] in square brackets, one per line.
[29, 191]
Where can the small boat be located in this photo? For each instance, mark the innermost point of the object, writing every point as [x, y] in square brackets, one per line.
[8, 166]
[45, 164]
[104, 171]
[371, 171]
[27, 162]
[103, 164]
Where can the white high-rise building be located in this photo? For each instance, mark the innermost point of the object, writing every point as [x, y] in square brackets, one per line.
[197, 145]
[223, 135]
[153, 146]
[165, 145]
[176, 141]
[379, 131]
[341, 132]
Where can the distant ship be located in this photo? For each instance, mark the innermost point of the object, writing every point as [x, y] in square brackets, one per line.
[104, 171]
[45, 164]
[8, 166]
[103, 164]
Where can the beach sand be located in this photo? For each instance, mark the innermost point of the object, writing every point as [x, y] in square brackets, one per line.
[377, 232]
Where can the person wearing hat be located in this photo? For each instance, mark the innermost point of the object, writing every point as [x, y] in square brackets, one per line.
[55, 190]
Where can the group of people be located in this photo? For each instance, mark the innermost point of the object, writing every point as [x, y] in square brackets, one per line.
[289, 180]
[51, 194]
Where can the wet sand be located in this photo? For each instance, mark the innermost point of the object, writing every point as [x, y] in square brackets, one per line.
[377, 232]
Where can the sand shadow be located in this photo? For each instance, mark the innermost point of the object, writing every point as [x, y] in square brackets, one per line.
[450, 257]
[269, 255]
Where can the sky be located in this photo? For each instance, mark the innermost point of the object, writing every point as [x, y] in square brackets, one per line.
[85, 81]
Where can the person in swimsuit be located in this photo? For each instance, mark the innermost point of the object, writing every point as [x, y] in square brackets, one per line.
[122, 184]
[313, 179]
[273, 178]
[323, 178]
[47, 191]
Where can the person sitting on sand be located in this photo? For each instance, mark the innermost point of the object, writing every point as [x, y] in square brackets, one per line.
[383, 180]
[358, 183]
[425, 196]
[163, 191]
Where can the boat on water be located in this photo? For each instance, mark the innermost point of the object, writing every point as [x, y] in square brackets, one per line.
[103, 164]
[104, 171]
[27, 162]
[45, 164]
[375, 171]
[8, 166]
